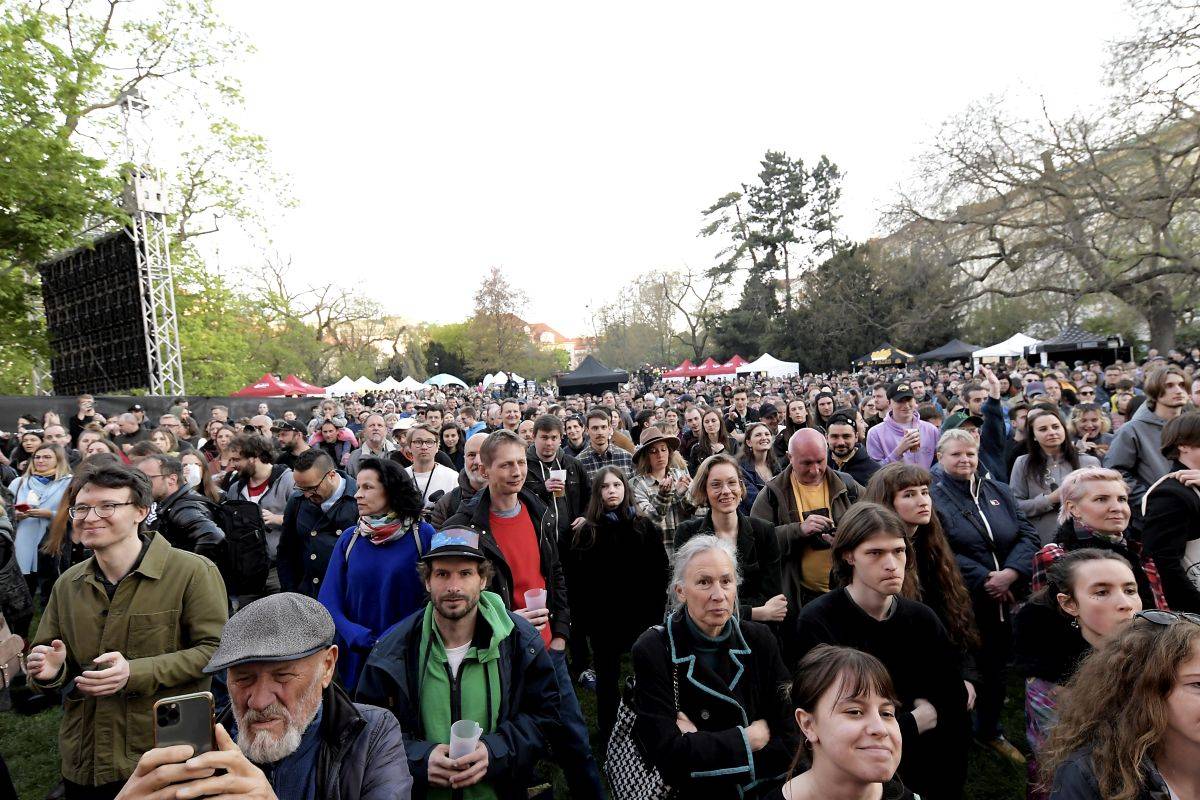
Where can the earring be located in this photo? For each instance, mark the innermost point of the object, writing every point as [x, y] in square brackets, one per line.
[1075, 623]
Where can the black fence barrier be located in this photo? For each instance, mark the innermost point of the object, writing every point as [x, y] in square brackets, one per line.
[13, 406]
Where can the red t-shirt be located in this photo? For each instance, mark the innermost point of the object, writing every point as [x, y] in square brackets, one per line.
[253, 491]
[517, 538]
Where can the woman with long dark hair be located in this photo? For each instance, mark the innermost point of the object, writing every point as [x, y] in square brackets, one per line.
[612, 541]
[846, 707]
[713, 438]
[452, 443]
[795, 419]
[756, 458]
[1038, 474]
[371, 582]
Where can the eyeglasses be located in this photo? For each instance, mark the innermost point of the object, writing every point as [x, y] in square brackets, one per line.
[103, 511]
[423, 442]
[1159, 617]
[1087, 392]
[310, 489]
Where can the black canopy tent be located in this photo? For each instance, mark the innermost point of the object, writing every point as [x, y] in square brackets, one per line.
[591, 377]
[885, 354]
[1076, 344]
[953, 350]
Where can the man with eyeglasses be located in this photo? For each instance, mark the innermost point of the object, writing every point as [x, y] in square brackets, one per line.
[314, 518]
[432, 479]
[182, 516]
[136, 622]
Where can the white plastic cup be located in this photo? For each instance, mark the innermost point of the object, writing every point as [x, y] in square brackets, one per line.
[464, 736]
[535, 599]
[559, 475]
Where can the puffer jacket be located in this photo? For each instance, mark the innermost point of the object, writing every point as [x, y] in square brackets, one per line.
[361, 750]
[477, 514]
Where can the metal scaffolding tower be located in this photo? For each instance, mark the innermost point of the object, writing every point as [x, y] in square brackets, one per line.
[146, 202]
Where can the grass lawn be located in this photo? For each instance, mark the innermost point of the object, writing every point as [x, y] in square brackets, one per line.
[29, 746]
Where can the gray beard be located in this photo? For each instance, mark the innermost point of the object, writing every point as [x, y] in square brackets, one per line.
[264, 747]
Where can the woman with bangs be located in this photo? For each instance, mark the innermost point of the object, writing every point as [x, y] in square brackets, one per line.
[870, 552]
[845, 706]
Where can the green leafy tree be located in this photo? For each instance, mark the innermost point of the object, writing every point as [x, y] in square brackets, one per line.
[499, 340]
[446, 350]
[744, 328]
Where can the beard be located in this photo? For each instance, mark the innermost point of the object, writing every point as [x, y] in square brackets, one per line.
[842, 450]
[466, 608]
[264, 747]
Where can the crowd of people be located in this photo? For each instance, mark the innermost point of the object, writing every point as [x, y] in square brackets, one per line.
[817, 587]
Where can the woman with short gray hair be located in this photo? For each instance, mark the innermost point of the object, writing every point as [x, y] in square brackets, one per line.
[707, 685]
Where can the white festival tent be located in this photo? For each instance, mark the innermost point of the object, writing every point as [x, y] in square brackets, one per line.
[344, 386]
[443, 378]
[390, 384]
[365, 384]
[772, 366]
[410, 384]
[501, 378]
[1012, 347]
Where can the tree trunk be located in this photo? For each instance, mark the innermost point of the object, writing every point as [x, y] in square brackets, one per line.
[1162, 321]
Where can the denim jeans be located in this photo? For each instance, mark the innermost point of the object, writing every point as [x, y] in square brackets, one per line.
[569, 742]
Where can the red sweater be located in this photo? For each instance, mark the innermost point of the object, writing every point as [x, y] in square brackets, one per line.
[518, 541]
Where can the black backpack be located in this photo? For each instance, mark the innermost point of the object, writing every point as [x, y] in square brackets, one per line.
[247, 561]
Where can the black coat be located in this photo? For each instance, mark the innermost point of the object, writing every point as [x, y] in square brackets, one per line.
[860, 466]
[529, 697]
[1170, 522]
[1071, 539]
[715, 762]
[575, 498]
[309, 531]
[477, 515]
[185, 519]
[758, 557]
[632, 549]
[1075, 779]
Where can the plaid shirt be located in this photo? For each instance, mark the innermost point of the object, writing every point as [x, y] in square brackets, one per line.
[665, 512]
[614, 456]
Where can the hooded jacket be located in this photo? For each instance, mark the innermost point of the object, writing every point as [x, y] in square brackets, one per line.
[508, 665]
[1135, 453]
[883, 438]
[280, 485]
[360, 755]
[477, 515]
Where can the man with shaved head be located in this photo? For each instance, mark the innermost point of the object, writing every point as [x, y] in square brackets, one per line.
[805, 502]
[470, 480]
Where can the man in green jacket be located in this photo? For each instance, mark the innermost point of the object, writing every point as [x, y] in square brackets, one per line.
[135, 623]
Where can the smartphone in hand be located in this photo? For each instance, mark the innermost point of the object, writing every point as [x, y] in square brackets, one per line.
[186, 719]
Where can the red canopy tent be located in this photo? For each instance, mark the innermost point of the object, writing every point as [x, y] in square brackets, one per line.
[735, 362]
[711, 368]
[304, 386]
[268, 386]
[682, 371]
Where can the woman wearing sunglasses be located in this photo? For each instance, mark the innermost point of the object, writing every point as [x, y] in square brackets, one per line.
[1127, 727]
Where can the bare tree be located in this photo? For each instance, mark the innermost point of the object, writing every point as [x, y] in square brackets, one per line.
[695, 297]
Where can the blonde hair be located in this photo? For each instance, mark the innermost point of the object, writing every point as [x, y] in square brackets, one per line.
[956, 435]
[698, 492]
[1075, 485]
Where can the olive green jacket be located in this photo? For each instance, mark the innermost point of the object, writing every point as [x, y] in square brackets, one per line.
[165, 619]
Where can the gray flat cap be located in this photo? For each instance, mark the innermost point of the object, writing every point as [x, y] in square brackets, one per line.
[279, 627]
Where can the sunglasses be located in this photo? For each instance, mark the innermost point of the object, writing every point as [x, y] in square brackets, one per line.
[1159, 617]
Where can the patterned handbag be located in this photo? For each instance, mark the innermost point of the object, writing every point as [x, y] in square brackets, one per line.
[630, 776]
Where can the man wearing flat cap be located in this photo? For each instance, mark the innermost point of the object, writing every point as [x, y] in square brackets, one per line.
[290, 733]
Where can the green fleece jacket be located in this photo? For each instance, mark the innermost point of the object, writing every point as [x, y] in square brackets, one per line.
[474, 693]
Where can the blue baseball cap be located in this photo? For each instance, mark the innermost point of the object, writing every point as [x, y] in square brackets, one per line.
[456, 543]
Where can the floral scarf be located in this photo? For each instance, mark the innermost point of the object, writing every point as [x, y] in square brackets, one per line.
[383, 528]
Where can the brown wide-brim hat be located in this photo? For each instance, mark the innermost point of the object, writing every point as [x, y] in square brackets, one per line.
[652, 436]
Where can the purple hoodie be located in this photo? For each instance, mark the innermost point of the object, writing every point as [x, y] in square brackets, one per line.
[883, 438]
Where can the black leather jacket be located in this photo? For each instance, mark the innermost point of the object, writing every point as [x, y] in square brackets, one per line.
[185, 519]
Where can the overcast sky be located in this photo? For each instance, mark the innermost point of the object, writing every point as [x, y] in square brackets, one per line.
[574, 145]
